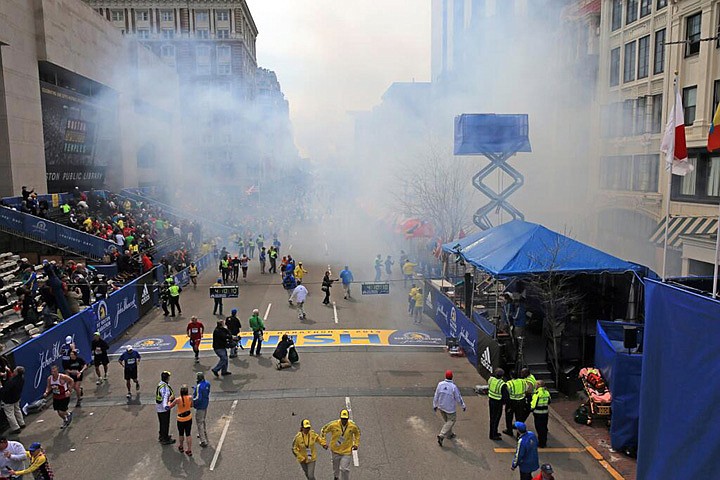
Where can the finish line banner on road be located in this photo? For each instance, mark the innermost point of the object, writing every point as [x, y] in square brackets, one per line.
[302, 338]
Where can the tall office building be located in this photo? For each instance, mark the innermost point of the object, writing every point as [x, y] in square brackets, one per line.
[212, 45]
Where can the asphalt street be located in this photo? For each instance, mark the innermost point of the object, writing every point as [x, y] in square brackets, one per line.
[387, 388]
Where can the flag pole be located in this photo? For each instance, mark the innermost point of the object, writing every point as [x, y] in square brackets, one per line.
[670, 156]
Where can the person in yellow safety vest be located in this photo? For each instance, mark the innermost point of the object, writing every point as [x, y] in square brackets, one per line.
[174, 291]
[303, 448]
[344, 438]
[516, 406]
[225, 269]
[300, 271]
[498, 395]
[163, 398]
[193, 272]
[540, 409]
[530, 382]
[408, 269]
[218, 300]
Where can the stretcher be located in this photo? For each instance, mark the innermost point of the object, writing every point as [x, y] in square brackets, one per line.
[599, 396]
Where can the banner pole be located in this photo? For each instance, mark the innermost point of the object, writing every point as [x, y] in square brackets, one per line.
[668, 167]
[717, 253]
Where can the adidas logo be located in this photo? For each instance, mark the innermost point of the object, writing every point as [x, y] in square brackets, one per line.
[485, 360]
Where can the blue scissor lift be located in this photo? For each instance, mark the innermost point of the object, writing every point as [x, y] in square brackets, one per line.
[497, 137]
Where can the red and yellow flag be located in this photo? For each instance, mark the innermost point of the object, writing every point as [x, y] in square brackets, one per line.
[714, 133]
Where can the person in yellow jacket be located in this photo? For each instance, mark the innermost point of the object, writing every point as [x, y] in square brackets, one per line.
[303, 448]
[300, 272]
[417, 311]
[344, 438]
[408, 269]
[39, 466]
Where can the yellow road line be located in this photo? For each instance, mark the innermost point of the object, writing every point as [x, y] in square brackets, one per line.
[544, 450]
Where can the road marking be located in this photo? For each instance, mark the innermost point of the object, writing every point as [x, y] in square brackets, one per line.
[290, 247]
[544, 450]
[267, 312]
[356, 460]
[335, 312]
[222, 437]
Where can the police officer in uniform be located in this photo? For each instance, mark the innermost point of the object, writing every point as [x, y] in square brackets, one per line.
[163, 397]
[174, 292]
[498, 395]
[516, 405]
[540, 409]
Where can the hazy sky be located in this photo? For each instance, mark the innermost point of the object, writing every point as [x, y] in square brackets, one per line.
[333, 56]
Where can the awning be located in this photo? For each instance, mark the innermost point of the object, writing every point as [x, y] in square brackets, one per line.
[680, 226]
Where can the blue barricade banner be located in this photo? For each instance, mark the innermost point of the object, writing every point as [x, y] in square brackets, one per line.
[453, 322]
[39, 354]
[11, 219]
[40, 228]
[115, 314]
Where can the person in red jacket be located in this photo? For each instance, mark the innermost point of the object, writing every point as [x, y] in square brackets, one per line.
[195, 330]
[546, 473]
[146, 263]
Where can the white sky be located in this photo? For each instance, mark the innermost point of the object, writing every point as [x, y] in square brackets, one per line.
[335, 56]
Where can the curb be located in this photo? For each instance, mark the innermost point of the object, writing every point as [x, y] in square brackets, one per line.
[588, 448]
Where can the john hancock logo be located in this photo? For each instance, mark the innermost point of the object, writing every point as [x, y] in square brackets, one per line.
[40, 228]
[453, 320]
[47, 358]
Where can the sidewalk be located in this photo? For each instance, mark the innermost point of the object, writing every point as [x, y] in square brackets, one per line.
[598, 437]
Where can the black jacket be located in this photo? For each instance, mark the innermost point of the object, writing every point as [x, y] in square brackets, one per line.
[221, 338]
[10, 392]
[233, 324]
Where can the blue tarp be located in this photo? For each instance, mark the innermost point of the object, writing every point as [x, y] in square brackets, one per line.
[622, 373]
[522, 248]
[679, 391]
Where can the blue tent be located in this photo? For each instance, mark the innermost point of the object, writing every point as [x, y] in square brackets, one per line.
[522, 248]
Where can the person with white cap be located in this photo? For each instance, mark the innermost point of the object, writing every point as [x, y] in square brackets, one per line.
[303, 448]
[258, 327]
[130, 359]
[344, 438]
[65, 350]
[447, 396]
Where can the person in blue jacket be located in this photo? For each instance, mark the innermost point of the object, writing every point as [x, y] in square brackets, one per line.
[526, 453]
[201, 400]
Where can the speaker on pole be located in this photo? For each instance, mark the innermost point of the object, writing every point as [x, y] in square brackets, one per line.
[630, 338]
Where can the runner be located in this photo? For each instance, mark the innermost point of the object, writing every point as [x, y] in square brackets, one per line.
[244, 261]
[99, 349]
[130, 359]
[184, 419]
[263, 258]
[76, 368]
[298, 296]
[195, 330]
[60, 385]
[193, 271]
[65, 350]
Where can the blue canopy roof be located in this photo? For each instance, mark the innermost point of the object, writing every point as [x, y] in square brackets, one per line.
[522, 248]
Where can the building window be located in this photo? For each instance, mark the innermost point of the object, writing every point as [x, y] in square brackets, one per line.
[203, 33]
[167, 53]
[616, 14]
[167, 16]
[615, 67]
[168, 33]
[645, 8]
[643, 56]
[224, 60]
[142, 15]
[117, 15]
[202, 60]
[645, 173]
[688, 184]
[627, 173]
[223, 33]
[632, 11]
[689, 99]
[693, 24]
[657, 108]
[222, 15]
[659, 64]
[628, 123]
[143, 33]
[713, 177]
[640, 113]
[629, 70]
[661, 4]
[201, 16]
